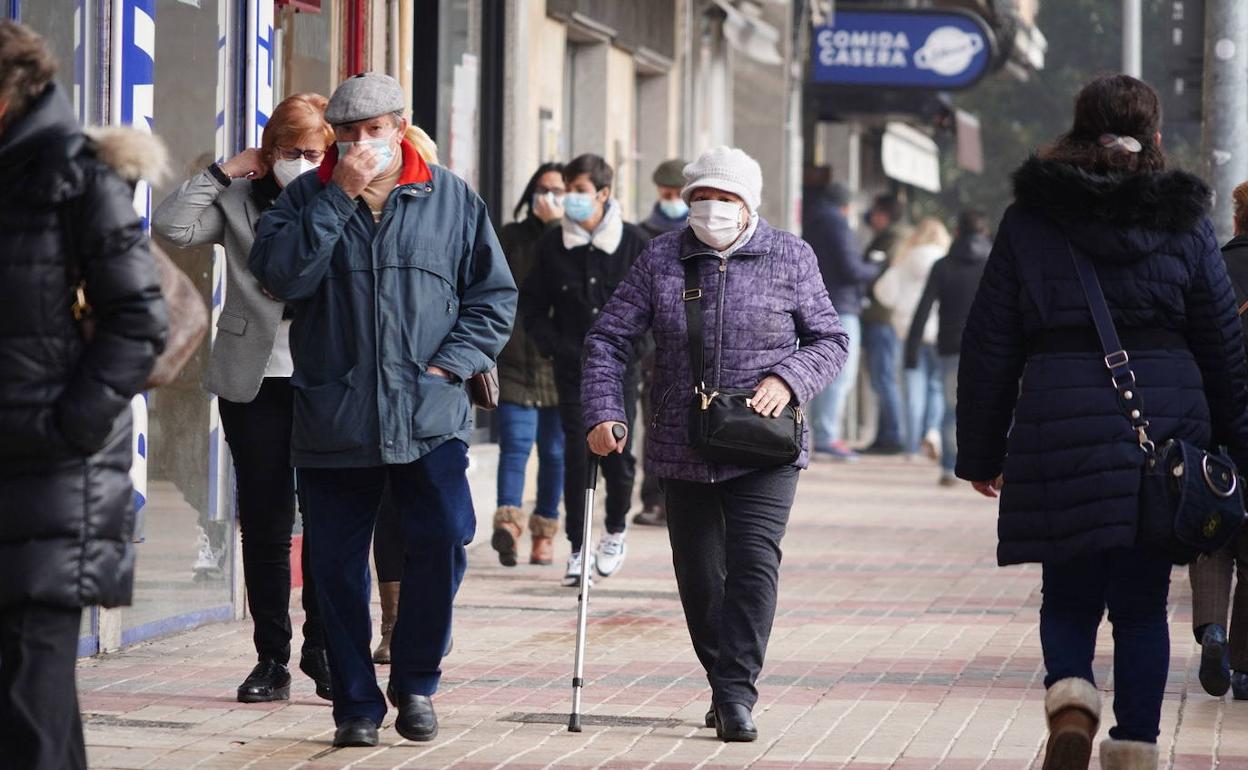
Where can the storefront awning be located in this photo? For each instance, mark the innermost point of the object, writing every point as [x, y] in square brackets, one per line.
[911, 157]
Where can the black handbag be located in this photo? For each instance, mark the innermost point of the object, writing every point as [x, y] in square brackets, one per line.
[1190, 499]
[723, 427]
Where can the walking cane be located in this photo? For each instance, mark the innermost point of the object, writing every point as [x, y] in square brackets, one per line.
[578, 674]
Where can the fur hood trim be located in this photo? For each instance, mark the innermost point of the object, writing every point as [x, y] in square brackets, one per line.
[135, 155]
[1171, 200]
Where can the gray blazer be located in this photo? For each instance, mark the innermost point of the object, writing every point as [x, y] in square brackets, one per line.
[204, 211]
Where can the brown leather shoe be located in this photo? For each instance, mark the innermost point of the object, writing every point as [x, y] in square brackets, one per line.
[543, 531]
[508, 524]
[389, 614]
[1073, 707]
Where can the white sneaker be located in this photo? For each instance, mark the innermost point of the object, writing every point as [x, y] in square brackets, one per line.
[572, 576]
[207, 559]
[611, 552]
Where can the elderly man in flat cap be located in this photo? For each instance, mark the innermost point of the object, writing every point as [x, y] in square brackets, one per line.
[401, 294]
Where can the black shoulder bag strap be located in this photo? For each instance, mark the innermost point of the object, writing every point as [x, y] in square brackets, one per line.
[693, 320]
[1116, 359]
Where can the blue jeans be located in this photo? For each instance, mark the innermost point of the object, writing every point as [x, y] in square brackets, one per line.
[883, 352]
[437, 522]
[828, 408]
[925, 398]
[519, 427]
[1134, 587]
[949, 425]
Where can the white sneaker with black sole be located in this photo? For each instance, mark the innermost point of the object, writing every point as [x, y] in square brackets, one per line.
[610, 553]
[572, 576]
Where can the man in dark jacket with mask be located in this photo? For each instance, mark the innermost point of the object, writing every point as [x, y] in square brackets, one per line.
[879, 340]
[66, 504]
[825, 226]
[952, 284]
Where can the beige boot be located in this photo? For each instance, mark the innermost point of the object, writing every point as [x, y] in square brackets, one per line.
[1073, 707]
[389, 614]
[543, 531]
[508, 524]
[1128, 755]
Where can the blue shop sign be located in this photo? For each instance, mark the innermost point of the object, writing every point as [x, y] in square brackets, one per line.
[942, 50]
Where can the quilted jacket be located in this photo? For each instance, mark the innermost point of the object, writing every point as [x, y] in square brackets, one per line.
[765, 311]
[1051, 421]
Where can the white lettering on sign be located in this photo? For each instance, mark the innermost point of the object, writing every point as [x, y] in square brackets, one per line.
[843, 48]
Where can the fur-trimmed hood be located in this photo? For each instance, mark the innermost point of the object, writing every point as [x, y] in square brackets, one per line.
[131, 153]
[1114, 215]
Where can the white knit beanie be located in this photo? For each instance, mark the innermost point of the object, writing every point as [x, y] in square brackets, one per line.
[728, 169]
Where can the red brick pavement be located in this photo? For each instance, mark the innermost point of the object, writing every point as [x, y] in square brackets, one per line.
[898, 644]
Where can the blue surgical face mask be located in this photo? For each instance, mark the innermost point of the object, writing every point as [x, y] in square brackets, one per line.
[383, 148]
[578, 206]
[675, 208]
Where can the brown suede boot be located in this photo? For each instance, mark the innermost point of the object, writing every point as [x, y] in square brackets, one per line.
[1073, 707]
[389, 614]
[508, 524]
[1128, 755]
[543, 531]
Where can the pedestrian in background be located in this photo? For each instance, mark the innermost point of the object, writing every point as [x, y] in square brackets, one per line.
[901, 287]
[825, 226]
[249, 370]
[1224, 657]
[951, 286]
[882, 347]
[762, 287]
[670, 214]
[402, 294]
[1041, 423]
[66, 503]
[578, 267]
[528, 409]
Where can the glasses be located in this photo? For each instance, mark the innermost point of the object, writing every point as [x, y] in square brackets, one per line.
[294, 153]
[558, 191]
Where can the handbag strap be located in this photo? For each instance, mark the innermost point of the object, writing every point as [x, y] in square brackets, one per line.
[1116, 359]
[693, 321]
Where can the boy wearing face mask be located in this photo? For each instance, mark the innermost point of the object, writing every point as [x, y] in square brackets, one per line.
[402, 294]
[578, 267]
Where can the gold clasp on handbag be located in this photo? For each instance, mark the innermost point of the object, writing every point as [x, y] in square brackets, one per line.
[707, 398]
[81, 308]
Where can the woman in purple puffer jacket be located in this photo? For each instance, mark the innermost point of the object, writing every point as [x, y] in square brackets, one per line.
[769, 326]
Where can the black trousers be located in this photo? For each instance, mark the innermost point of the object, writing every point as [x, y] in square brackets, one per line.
[619, 470]
[726, 550]
[258, 433]
[40, 727]
[388, 540]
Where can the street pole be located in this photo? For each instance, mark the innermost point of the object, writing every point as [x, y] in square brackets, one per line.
[1131, 62]
[1224, 130]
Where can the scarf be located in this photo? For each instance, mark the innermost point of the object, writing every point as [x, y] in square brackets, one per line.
[606, 236]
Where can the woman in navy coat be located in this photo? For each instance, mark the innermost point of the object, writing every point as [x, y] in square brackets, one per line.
[1040, 423]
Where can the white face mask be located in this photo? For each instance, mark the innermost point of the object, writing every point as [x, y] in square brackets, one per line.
[287, 171]
[385, 152]
[716, 223]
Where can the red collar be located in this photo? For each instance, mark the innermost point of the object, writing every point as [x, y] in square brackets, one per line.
[415, 170]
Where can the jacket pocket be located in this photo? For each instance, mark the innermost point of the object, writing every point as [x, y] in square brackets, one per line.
[329, 416]
[234, 324]
[441, 407]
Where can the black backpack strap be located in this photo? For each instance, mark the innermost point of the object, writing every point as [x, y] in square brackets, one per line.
[693, 320]
[1116, 359]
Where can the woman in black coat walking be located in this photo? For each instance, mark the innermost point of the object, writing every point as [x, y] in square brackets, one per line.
[1038, 419]
[66, 510]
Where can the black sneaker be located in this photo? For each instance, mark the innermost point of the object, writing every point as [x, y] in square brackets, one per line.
[315, 663]
[883, 450]
[268, 681]
[1215, 663]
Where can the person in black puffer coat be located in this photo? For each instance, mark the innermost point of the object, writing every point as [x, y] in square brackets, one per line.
[1040, 422]
[66, 510]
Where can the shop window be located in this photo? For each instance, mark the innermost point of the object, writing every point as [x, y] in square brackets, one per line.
[74, 45]
[305, 60]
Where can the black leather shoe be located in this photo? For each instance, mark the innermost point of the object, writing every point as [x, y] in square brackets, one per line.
[356, 731]
[417, 721]
[733, 723]
[709, 719]
[315, 663]
[268, 681]
[1215, 663]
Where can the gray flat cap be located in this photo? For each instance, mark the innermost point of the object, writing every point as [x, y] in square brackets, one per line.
[364, 96]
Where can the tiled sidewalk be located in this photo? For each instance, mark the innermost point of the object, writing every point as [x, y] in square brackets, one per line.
[898, 643]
